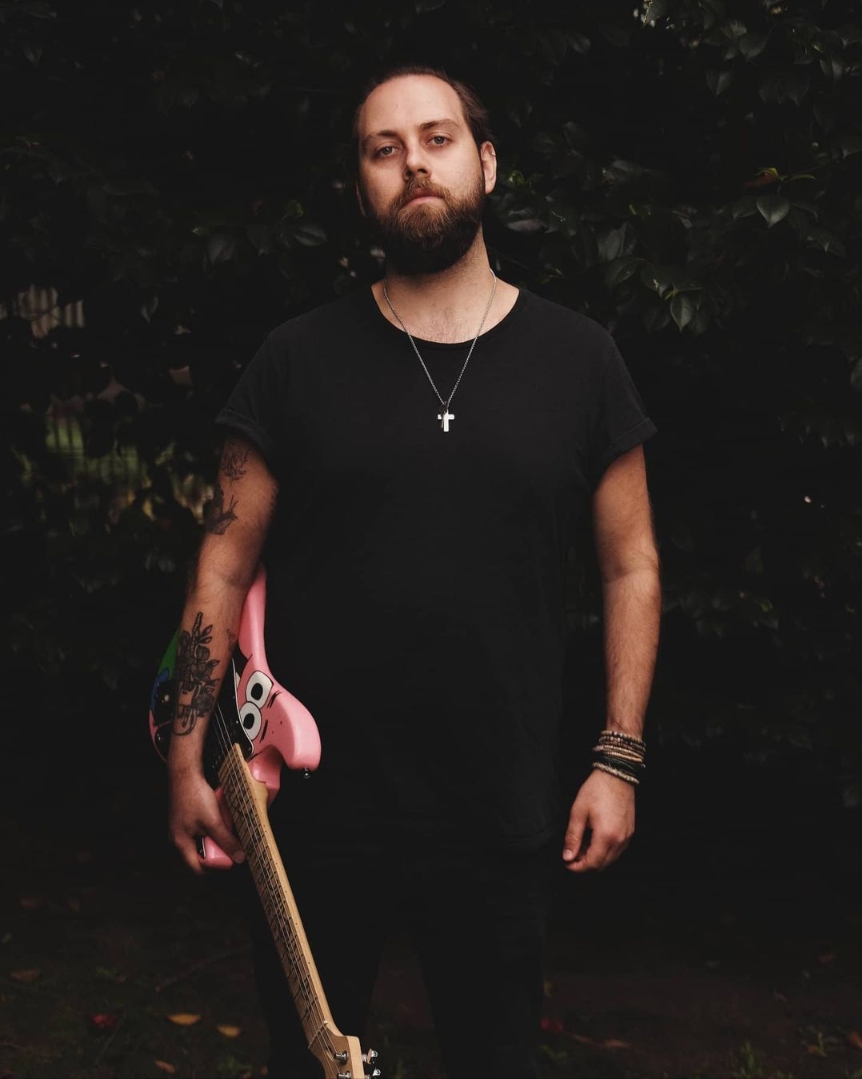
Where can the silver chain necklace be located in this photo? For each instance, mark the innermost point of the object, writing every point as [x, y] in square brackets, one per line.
[445, 417]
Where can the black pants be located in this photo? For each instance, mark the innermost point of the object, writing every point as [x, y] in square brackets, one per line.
[479, 922]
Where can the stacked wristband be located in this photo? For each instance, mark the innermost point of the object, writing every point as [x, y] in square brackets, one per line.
[621, 755]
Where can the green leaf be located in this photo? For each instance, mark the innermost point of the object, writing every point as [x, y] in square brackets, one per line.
[827, 240]
[621, 269]
[744, 207]
[850, 35]
[543, 143]
[220, 247]
[655, 10]
[796, 85]
[308, 234]
[610, 245]
[751, 45]
[655, 318]
[682, 310]
[718, 81]
[774, 208]
[261, 237]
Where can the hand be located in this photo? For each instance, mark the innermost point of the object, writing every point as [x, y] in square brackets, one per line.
[194, 811]
[605, 805]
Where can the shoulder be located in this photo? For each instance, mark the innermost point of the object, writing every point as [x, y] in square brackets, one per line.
[572, 335]
[346, 312]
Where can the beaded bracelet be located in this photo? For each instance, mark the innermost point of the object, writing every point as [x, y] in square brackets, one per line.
[614, 772]
[632, 768]
[611, 735]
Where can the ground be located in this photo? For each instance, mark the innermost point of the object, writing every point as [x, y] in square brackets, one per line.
[726, 952]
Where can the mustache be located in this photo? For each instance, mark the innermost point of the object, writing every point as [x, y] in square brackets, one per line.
[421, 187]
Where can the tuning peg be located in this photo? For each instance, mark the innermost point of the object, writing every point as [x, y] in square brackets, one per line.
[370, 1056]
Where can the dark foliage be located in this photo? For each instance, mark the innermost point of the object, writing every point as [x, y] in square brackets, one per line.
[689, 175]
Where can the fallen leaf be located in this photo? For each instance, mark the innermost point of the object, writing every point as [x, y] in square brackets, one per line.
[552, 1026]
[583, 1039]
[102, 1023]
[827, 957]
[228, 1030]
[108, 974]
[25, 976]
[816, 1050]
[615, 1043]
[855, 1038]
[184, 1019]
[163, 1066]
[33, 902]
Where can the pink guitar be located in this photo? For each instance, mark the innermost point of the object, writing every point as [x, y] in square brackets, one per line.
[255, 727]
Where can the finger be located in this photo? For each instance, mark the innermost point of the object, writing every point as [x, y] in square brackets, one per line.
[219, 832]
[595, 858]
[575, 833]
[187, 847]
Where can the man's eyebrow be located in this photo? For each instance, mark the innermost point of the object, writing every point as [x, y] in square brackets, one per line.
[386, 134]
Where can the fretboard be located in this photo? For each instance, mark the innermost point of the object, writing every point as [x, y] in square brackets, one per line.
[247, 800]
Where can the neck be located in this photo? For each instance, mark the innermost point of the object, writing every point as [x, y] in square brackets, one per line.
[443, 305]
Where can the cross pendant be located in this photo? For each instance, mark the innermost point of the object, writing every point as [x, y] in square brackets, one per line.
[444, 419]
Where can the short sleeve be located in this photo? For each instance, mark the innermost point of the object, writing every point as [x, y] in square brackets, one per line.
[254, 404]
[620, 420]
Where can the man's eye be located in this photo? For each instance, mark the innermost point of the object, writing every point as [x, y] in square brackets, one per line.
[439, 140]
[384, 151]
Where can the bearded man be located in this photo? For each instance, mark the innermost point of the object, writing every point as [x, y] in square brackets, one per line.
[410, 462]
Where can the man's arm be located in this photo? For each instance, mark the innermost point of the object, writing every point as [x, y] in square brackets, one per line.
[631, 600]
[237, 522]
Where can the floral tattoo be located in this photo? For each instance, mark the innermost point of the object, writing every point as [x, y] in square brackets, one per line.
[195, 675]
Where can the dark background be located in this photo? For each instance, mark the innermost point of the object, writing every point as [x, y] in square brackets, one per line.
[176, 182]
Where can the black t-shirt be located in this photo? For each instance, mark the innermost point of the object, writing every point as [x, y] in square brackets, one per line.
[416, 576]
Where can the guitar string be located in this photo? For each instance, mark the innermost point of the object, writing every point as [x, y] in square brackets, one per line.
[301, 971]
[265, 869]
[295, 959]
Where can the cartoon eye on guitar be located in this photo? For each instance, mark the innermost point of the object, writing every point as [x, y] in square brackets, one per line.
[257, 726]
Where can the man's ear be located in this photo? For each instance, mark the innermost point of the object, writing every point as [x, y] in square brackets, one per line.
[488, 159]
[359, 198]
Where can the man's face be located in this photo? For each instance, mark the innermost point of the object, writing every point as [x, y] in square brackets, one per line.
[422, 180]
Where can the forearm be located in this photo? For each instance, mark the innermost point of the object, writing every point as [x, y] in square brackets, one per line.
[234, 533]
[208, 631]
[632, 613]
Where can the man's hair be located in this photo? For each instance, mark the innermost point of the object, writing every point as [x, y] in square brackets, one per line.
[474, 110]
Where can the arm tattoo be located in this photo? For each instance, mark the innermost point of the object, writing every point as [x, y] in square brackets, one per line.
[233, 462]
[219, 518]
[194, 675]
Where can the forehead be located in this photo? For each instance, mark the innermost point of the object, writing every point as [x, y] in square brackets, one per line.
[408, 101]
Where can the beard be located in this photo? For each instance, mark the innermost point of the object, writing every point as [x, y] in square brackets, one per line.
[430, 236]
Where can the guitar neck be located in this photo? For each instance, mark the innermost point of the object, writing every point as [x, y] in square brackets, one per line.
[247, 801]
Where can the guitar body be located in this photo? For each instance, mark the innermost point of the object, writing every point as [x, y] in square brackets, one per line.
[256, 727]
[253, 710]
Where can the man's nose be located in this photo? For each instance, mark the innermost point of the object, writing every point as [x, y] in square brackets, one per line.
[416, 161]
